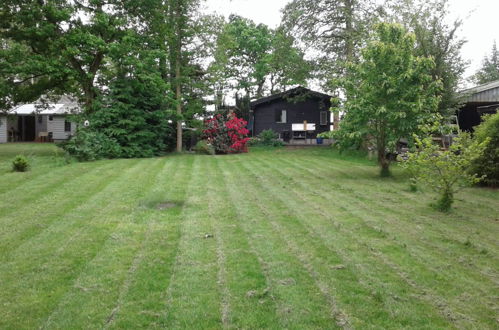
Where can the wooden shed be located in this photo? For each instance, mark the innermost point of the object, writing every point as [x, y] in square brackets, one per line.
[480, 100]
[297, 115]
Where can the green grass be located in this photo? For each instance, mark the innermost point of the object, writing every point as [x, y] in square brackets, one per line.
[271, 239]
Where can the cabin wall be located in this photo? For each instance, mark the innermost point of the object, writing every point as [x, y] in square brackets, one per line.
[3, 129]
[469, 117]
[56, 127]
[309, 110]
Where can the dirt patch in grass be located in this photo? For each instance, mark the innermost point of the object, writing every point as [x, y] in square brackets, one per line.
[160, 204]
[166, 205]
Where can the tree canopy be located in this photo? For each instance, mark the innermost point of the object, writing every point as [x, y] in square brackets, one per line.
[391, 93]
[489, 71]
[438, 39]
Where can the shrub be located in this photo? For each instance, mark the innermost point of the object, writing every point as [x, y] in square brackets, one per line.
[204, 148]
[20, 164]
[488, 163]
[226, 133]
[444, 171]
[268, 138]
[88, 146]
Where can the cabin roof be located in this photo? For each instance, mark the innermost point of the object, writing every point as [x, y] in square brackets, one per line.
[483, 93]
[291, 92]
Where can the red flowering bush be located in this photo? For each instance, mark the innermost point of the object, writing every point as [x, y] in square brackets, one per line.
[227, 134]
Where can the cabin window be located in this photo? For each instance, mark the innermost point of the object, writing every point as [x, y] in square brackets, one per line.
[51, 117]
[281, 116]
[324, 117]
[67, 126]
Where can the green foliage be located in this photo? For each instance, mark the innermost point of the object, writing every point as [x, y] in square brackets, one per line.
[48, 49]
[390, 94]
[488, 163]
[436, 37]
[20, 164]
[88, 145]
[332, 32]
[204, 148]
[490, 68]
[135, 114]
[444, 171]
[254, 58]
[267, 138]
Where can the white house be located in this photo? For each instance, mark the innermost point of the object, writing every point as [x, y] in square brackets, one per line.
[32, 122]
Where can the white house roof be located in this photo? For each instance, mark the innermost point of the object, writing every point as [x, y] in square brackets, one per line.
[64, 106]
[28, 109]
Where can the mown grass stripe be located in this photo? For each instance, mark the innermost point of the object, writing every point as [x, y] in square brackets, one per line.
[37, 192]
[300, 302]
[396, 188]
[406, 310]
[144, 301]
[411, 263]
[30, 222]
[100, 287]
[243, 272]
[148, 213]
[192, 295]
[400, 229]
[50, 262]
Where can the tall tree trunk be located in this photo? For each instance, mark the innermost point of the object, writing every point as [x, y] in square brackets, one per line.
[259, 91]
[176, 50]
[178, 96]
[383, 160]
[349, 31]
[349, 47]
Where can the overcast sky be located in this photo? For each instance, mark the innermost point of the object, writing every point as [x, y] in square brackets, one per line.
[480, 21]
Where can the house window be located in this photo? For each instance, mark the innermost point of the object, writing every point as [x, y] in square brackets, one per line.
[51, 117]
[67, 126]
[324, 115]
[280, 116]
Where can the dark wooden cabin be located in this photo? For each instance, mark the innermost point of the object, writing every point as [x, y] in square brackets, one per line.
[480, 100]
[285, 113]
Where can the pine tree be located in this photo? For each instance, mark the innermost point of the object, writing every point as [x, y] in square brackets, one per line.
[490, 68]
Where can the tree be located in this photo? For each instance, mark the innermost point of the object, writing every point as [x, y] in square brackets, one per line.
[332, 31]
[391, 93]
[287, 64]
[445, 171]
[490, 68]
[56, 47]
[437, 39]
[180, 14]
[136, 108]
[253, 59]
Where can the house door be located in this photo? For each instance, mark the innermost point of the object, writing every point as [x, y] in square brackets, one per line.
[26, 128]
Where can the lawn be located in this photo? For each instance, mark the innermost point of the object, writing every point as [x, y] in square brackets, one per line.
[270, 239]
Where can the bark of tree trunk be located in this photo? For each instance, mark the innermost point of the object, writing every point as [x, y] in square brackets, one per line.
[383, 161]
[349, 47]
[178, 96]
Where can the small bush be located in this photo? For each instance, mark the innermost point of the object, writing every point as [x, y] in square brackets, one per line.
[445, 171]
[267, 138]
[204, 148]
[488, 163]
[20, 164]
[89, 146]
